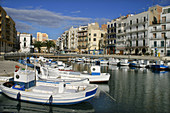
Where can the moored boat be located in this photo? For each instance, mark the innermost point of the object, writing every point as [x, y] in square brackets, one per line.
[25, 88]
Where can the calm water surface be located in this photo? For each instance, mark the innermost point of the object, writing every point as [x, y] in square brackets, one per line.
[129, 90]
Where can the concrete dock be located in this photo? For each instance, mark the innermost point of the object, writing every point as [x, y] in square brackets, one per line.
[7, 68]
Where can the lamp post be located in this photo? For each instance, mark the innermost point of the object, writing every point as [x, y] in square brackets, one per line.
[165, 46]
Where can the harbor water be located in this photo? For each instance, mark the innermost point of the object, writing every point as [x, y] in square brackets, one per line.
[133, 90]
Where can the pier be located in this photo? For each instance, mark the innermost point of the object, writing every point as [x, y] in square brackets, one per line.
[64, 57]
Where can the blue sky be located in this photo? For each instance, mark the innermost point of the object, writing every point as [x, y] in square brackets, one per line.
[55, 16]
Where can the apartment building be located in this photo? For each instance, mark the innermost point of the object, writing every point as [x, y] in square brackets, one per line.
[130, 34]
[72, 38]
[95, 38]
[121, 35]
[160, 34]
[26, 45]
[83, 39]
[42, 36]
[111, 37]
[8, 33]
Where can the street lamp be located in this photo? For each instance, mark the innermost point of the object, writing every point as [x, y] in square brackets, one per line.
[165, 46]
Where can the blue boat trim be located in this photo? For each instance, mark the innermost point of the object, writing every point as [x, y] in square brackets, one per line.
[87, 94]
[91, 92]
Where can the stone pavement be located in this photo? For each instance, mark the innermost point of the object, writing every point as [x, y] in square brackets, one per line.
[9, 67]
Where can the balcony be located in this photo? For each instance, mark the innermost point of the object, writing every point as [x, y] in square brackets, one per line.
[121, 34]
[163, 22]
[135, 24]
[157, 38]
[135, 31]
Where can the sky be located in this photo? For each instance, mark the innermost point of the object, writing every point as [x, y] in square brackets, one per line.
[56, 16]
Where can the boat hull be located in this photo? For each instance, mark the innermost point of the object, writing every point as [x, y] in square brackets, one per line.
[44, 98]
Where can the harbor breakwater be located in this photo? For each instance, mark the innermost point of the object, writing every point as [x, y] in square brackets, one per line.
[64, 57]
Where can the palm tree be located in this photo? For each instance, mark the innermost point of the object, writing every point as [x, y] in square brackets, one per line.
[49, 44]
[38, 45]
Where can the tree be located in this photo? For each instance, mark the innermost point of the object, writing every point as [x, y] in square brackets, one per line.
[38, 45]
[49, 44]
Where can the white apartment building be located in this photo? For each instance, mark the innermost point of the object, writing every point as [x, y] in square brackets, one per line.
[111, 37]
[26, 43]
[160, 34]
[121, 35]
[130, 34]
[72, 38]
[137, 33]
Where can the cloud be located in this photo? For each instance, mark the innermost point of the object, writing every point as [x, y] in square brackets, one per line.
[33, 20]
[76, 12]
[22, 27]
[43, 17]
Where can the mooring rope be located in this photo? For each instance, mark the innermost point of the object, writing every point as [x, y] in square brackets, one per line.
[108, 95]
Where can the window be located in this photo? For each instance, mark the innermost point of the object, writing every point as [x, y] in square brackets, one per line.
[154, 28]
[24, 44]
[108, 26]
[137, 20]
[164, 19]
[111, 25]
[144, 19]
[162, 51]
[154, 35]
[163, 27]
[130, 28]
[119, 31]
[107, 31]
[130, 22]
[136, 43]
[144, 26]
[136, 27]
[24, 39]
[155, 43]
[102, 35]
[162, 43]
[143, 42]
[111, 30]
[89, 34]
[89, 39]
[119, 25]
[163, 35]
[94, 34]
[94, 39]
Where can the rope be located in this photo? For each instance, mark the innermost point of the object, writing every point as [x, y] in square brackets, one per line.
[108, 95]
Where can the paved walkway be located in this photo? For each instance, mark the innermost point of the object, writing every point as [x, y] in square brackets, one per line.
[7, 68]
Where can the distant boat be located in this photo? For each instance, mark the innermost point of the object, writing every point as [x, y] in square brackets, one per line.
[25, 88]
[159, 65]
[94, 76]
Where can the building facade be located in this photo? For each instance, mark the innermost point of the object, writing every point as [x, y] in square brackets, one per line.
[8, 33]
[26, 45]
[82, 39]
[111, 37]
[160, 34]
[42, 36]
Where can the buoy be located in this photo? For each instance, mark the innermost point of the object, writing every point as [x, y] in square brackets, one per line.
[17, 68]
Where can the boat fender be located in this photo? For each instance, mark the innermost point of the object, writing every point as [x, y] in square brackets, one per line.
[18, 96]
[51, 100]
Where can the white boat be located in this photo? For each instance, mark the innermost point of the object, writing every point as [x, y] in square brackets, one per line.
[103, 61]
[142, 63]
[25, 88]
[4, 79]
[94, 76]
[123, 62]
[113, 61]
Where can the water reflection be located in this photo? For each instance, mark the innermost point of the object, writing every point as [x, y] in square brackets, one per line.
[135, 90]
[10, 105]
